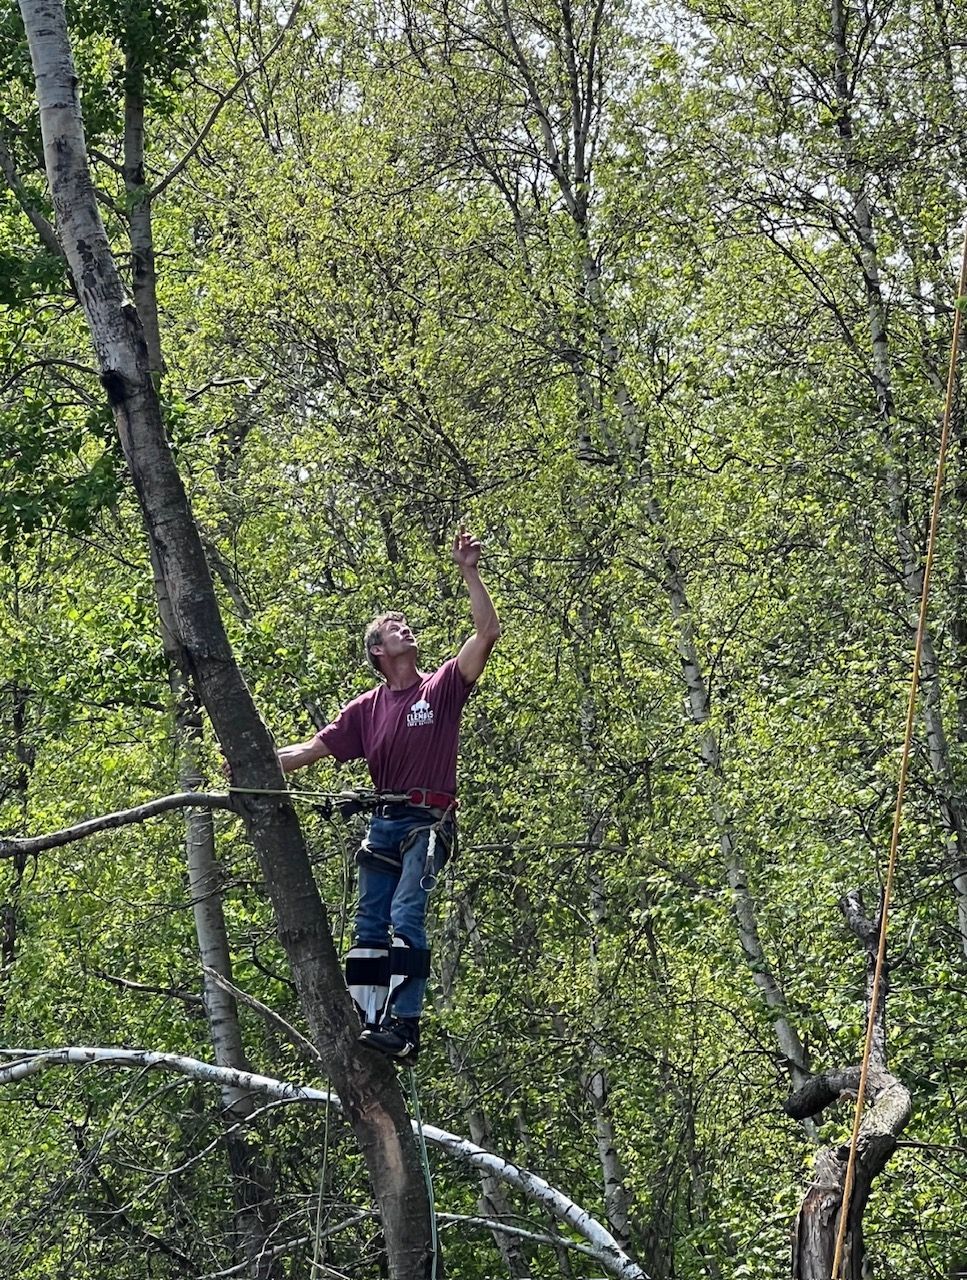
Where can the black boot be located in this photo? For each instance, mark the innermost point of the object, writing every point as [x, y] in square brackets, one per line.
[396, 1037]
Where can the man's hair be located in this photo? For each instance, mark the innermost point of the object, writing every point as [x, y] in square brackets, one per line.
[374, 635]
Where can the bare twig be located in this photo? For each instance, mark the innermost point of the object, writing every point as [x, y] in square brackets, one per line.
[187, 997]
[241, 1267]
[51, 362]
[28, 1062]
[40, 224]
[223, 98]
[294, 1036]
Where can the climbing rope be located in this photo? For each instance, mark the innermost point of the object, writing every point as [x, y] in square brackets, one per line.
[362, 796]
[427, 1176]
[353, 801]
[318, 1262]
[904, 764]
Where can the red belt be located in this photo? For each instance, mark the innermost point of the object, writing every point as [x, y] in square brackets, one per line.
[431, 799]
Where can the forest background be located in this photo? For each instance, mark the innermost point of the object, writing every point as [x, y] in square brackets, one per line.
[658, 298]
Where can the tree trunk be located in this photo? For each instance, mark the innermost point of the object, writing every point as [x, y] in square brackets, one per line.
[575, 185]
[365, 1083]
[10, 907]
[144, 280]
[251, 1183]
[493, 1201]
[888, 1109]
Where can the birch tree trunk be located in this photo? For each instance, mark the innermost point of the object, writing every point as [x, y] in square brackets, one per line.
[10, 907]
[144, 280]
[251, 1183]
[365, 1083]
[570, 158]
[595, 1079]
[493, 1201]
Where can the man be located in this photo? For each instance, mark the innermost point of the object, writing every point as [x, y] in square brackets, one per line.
[407, 730]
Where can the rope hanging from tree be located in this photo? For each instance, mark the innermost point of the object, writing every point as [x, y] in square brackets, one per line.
[961, 301]
[427, 1175]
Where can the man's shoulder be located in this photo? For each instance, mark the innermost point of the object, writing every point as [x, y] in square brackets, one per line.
[443, 672]
[362, 700]
[447, 673]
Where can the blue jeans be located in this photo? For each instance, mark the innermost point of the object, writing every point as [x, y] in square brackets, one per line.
[392, 899]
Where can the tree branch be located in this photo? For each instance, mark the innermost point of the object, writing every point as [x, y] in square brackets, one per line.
[45, 231]
[145, 988]
[221, 101]
[888, 1111]
[294, 1036]
[48, 363]
[820, 1092]
[11, 846]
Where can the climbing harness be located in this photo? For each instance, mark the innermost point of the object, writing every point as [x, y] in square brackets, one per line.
[358, 798]
[377, 973]
[347, 802]
[429, 877]
[431, 872]
[904, 763]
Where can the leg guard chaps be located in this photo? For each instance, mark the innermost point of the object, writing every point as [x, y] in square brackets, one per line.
[376, 975]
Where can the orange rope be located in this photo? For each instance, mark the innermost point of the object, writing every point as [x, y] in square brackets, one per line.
[904, 765]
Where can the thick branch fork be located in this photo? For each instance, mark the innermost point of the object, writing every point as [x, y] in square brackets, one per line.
[12, 846]
[28, 1062]
[889, 1101]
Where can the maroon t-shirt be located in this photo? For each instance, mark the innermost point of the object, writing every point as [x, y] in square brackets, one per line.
[408, 737]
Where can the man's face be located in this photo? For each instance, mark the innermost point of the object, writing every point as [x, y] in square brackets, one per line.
[396, 638]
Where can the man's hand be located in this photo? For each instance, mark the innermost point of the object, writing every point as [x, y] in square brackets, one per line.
[466, 549]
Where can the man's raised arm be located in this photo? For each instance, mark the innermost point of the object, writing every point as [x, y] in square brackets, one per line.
[473, 656]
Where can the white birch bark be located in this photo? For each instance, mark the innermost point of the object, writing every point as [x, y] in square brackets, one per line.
[45, 232]
[595, 1081]
[250, 1182]
[144, 280]
[574, 186]
[493, 1202]
[29, 1062]
[814, 1236]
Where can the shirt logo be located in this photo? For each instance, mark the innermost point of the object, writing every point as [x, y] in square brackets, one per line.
[420, 713]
